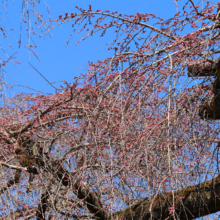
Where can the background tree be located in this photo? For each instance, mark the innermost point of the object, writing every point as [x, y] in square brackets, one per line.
[125, 140]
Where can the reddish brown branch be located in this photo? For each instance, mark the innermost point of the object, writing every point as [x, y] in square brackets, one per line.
[194, 6]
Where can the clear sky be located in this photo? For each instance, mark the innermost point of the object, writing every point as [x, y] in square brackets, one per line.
[58, 62]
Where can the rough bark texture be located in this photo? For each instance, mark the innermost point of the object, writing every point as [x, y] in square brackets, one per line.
[190, 202]
[201, 68]
[199, 200]
[210, 108]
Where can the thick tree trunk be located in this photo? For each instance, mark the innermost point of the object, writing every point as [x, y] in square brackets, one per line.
[197, 201]
[210, 109]
[189, 203]
[201, 68]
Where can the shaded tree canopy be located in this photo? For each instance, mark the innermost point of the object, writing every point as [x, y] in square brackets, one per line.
[135, 137]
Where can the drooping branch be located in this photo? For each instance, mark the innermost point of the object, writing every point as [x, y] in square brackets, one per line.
[190, 202]
[91, 200]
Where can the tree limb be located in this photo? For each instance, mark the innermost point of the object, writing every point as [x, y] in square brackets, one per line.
[92, 202]
[191, 202]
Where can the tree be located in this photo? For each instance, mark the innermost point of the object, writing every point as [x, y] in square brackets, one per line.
[125, 140]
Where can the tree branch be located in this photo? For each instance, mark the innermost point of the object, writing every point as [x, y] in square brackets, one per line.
[13, 167]
[191, 202]
[90, 199]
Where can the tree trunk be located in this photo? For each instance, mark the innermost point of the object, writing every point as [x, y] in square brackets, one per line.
[191, 202]
[201, 68]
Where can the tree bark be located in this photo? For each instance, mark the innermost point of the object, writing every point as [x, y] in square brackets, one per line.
[189, 203]
[197, 201]
[201, 68]
[210, 109]
[91, 200]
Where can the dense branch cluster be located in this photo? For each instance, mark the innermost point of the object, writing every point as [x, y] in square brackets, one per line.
[128, 139]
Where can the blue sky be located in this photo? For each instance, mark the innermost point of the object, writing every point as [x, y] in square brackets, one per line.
[58, 62]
